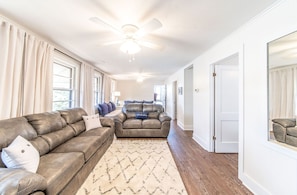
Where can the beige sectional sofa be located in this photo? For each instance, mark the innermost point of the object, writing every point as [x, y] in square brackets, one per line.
[142, 120]
[68, 153]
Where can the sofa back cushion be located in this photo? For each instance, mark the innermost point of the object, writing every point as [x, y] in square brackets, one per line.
[52, 131]
[11, 128]
[153, 115]
[73, 117]
[132, 107]
[46, 122]
[152, 108]
[59, 137]
[130, 115]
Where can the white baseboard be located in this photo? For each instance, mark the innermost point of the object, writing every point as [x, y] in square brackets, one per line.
[253, 186]
[188, 128]
[201, 142]
[185, 127]
[180, 124]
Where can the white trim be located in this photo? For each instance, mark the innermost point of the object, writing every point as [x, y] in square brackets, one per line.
[212, 97]
[241, 142]
[188, 128]
[180, 124]
[202, 143]
[253, 186]
[282, 148]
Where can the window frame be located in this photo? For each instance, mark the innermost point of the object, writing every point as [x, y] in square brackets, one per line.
[65, 61]
[98, 91]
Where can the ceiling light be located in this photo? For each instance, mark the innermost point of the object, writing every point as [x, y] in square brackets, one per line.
[139, 79]
[130, 47]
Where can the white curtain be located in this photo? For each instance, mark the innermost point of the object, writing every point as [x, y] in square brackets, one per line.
[106, 88]
[87, 91]
[38, 63]
[11, 52]
[282, 92]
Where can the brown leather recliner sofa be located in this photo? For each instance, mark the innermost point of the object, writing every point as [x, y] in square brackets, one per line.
[68, 153]
[142, 120]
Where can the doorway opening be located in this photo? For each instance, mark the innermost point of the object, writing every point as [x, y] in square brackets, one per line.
[225, 105]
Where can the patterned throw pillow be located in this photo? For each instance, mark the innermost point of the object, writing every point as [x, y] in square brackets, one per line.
[141, 115]
[21, 154]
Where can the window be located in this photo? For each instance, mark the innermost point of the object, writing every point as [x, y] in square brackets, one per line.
[65, 83]
[113, 88]
[97, 87]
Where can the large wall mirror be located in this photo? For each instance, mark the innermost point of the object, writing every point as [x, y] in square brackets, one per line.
[282, 90]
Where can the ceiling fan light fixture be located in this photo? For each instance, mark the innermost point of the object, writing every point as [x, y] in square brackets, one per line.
[130, 47]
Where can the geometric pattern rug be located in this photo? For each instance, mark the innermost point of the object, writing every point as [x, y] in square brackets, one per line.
[140, 166]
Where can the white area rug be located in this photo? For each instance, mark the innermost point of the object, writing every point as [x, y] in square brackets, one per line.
[135, 167]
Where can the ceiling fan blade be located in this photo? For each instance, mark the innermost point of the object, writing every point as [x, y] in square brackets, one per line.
[113, 42]
[113, 28]
[152, 25]
[150, 45]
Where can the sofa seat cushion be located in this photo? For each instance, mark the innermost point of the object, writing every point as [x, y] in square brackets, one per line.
[59, 168]
[292, 131]
[87, 145]
[102, 132]
[132, 124]
[151, 124]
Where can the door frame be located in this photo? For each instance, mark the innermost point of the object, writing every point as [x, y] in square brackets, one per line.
[212, 99]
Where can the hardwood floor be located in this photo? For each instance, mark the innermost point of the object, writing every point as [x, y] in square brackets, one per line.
[201, 171]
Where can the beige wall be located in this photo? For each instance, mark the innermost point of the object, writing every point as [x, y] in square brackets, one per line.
[133, 90]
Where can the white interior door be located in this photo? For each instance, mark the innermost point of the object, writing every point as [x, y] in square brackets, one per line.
[226, 109]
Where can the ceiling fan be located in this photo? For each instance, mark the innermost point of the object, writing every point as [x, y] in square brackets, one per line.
[131, 35]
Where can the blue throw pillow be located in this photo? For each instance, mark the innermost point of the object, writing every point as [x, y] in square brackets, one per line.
[109, 107]
[113, 106]
[99, 109]
[104, 109]
[141, 115]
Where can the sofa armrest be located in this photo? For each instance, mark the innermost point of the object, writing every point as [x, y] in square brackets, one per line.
[285, 122]
[18, 181]
[164, 117]
[120, 117]
[106, 122]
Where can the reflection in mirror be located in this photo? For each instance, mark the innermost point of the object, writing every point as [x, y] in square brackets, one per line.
[282, 66]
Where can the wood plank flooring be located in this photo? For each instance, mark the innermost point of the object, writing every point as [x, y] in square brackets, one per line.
[204, 172]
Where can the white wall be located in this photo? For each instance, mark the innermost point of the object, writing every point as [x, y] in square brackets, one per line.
[188, 98]
[179, 78]
[133, 90]
[264, 167]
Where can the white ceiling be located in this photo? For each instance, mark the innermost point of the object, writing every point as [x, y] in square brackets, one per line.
[189, 28]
